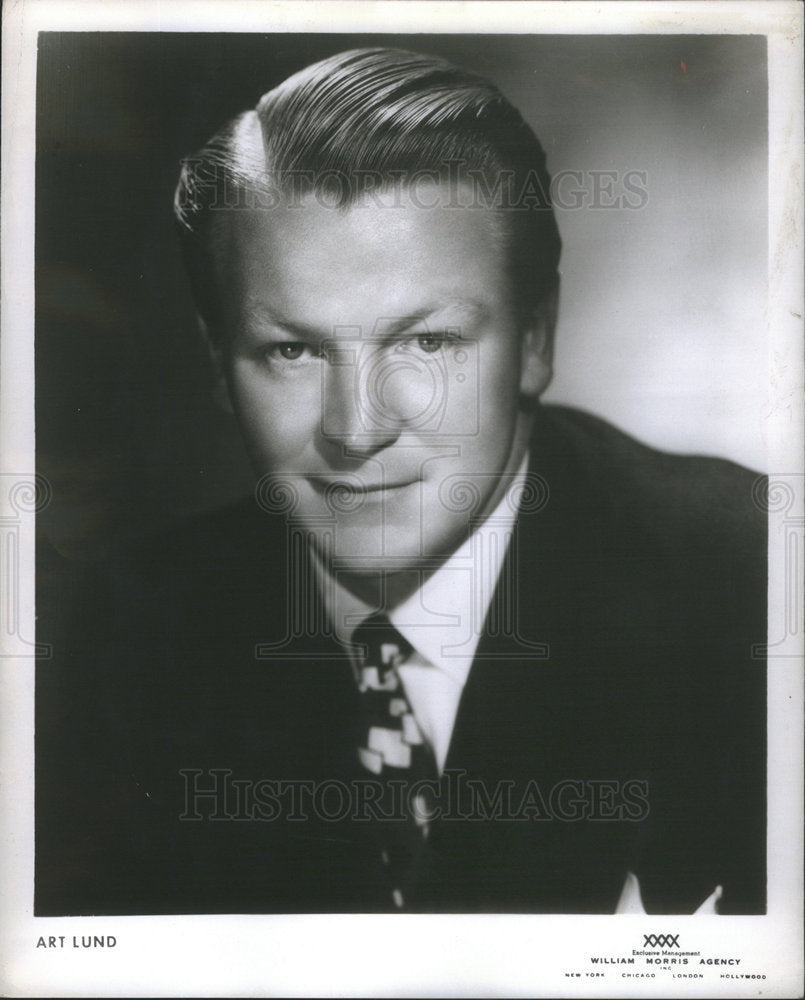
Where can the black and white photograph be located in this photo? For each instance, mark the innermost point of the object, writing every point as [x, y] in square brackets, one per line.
[413, 509]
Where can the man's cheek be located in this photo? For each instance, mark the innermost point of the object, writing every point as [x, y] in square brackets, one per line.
[277, 445]
[280, 436]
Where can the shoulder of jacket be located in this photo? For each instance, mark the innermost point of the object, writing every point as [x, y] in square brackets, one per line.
[207, 543]
[688, 494]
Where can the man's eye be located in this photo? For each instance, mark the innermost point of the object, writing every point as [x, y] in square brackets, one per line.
[291, 351]
[286, 350]
[430, 342]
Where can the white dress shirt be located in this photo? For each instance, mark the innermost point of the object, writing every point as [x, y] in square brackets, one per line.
[442, 620]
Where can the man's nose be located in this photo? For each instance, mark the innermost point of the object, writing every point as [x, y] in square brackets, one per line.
[356, 413]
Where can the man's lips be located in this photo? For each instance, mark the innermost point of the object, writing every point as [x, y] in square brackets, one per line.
[358, 487]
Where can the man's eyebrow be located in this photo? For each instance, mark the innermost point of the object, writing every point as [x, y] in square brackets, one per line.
[457, 309]
[257, 318]
[468, 310]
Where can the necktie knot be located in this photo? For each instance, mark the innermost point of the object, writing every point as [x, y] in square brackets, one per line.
[380, 650]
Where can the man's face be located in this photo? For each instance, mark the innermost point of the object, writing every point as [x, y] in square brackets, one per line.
[376, 366]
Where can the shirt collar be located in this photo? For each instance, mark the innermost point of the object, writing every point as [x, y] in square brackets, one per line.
[444, 618]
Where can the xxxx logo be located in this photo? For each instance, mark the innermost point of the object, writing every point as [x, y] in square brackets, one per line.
[661, 940]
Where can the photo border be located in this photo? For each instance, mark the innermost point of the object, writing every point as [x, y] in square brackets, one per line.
[456, 955]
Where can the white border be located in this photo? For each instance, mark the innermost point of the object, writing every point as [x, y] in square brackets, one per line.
[356, 956]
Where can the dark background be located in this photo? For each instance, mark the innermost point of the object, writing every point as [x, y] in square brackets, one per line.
[661, 326]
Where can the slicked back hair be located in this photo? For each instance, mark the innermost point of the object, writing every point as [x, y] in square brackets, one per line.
[371, 120]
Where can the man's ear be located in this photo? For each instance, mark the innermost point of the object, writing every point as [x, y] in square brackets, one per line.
[536, 361]
[220, 386]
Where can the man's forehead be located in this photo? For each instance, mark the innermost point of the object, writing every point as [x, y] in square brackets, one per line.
[439, 210]
[406, 260]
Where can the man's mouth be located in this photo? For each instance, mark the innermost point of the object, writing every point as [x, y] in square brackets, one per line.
[357, 487]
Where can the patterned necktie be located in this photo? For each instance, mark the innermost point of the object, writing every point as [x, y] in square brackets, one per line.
[394, 750]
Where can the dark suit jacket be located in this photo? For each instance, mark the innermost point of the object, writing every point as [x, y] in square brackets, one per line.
[618, 655]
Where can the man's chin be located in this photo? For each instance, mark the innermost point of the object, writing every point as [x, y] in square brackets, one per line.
[372, 563]
[365, 555]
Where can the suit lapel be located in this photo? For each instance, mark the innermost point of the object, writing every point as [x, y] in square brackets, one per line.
[521, 677]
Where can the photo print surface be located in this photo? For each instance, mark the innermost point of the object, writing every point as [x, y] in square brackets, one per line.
[407, 543]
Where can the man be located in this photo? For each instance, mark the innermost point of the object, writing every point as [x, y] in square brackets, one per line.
[462, 652]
